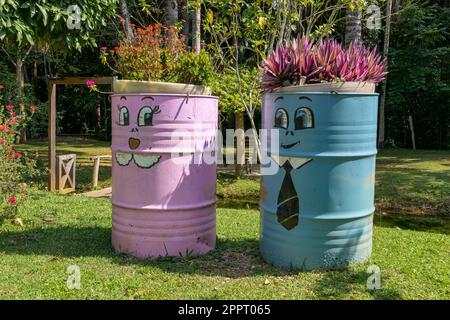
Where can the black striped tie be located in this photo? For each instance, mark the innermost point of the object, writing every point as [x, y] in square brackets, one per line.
[288, 203]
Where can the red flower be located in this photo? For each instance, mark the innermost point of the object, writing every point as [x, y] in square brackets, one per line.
[2, 86]
[14, 122]
[90, 83]
[122, 21]
[2, 140]
[33, 108]
[13, 114]
[12, 200]
[2, 127]
[9, 107]
[103, 48]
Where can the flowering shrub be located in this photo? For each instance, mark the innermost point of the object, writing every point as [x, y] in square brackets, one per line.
[154, 54]
[14, 167]
[301, 61]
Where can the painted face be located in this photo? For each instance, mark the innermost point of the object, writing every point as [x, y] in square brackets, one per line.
[290, 124]
[142, 120]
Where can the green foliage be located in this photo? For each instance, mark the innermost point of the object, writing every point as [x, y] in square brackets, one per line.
[158, 53]
[194, 68]
[15, 167]
[419, 82]
[9, 96]
[38, 22]
[226, 86]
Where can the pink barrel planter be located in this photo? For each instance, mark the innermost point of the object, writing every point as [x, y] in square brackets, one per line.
[163, 204]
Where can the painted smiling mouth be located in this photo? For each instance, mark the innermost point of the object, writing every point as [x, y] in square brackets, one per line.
[288, 146]
[133, 143]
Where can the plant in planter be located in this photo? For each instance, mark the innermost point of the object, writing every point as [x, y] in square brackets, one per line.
[324, 62]
[157, 54]
[317, 210]
[162, 207]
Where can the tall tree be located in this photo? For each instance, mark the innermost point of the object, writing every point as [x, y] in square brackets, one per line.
[352, 24]
[55, 24]
[387, 32]
[170, 12]
[196, 36]
[126, 17]
[185, 18]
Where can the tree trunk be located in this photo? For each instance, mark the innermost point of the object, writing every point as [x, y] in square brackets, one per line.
[20, 80]
[186, 19]
[240, 144]
[20, 77]
[196, 28]
[170, 12]
[382, 125]
[126, 16]
[352, 26]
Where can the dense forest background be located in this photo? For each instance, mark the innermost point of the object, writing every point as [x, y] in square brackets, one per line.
[417, 88]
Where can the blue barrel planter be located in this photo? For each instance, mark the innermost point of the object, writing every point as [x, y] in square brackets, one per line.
[317, 210]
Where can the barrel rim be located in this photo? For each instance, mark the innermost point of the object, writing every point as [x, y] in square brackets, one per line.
[325, 93]
[165, 94]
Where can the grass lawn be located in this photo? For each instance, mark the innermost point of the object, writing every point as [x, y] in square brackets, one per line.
[411, 246]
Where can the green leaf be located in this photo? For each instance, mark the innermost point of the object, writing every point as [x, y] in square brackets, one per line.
[44, 13]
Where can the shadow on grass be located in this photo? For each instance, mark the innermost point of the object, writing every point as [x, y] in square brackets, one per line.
[413, 222]
[231, 258]
[341, 284]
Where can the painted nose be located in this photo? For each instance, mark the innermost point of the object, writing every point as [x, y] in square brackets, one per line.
[289, 131]
[133, 143]
[134, 130]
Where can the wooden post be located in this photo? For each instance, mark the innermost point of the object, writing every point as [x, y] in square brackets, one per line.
[413, 137]
[66, 165]
[95, 172]
[52, 135]
[240, 144]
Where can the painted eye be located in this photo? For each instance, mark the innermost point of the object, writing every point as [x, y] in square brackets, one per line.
[124, 116]
[304, 118]
[145, 117]
[281, 118]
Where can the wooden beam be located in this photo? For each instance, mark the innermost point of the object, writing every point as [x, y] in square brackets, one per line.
[52, 135]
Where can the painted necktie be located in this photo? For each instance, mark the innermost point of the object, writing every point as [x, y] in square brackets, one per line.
[288, 202]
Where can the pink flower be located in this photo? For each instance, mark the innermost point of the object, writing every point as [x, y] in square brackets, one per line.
[2, 86]
[2, 140]
[17, 154]
[103, 48]
[12, 200]
[33, 108]
[13, 114]
[90, 83]
[10, 107]
[2, 127]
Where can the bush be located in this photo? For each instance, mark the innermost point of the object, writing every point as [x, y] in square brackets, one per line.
[157, 53]
[15, 168]
[194, 68]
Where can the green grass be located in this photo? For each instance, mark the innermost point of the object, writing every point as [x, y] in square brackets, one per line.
[411, 244]
[69, 230]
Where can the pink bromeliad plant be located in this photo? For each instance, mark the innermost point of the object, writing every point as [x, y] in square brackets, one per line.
[302, 62]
